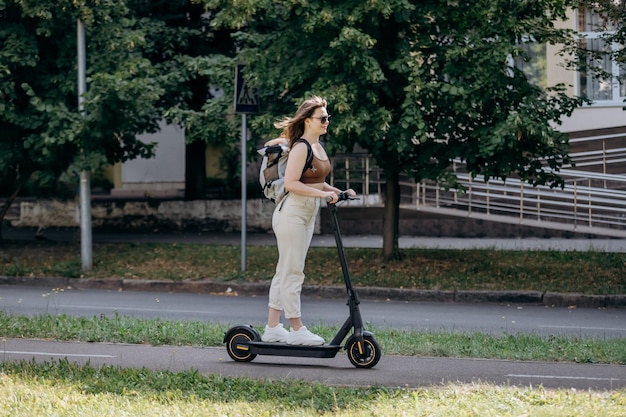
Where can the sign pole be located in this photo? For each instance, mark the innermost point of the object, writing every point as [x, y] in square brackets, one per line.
[245, 102]
[244, 200]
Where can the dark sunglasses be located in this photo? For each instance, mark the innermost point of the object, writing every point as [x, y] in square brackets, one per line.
[323, 119]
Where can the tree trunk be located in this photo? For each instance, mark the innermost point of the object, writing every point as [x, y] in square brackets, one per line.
[195, 170]
[391, 217]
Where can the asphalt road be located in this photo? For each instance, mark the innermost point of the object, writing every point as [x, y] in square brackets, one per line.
[236, 309]
[393, 371]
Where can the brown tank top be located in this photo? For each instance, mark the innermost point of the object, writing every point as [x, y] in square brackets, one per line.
[317, 174]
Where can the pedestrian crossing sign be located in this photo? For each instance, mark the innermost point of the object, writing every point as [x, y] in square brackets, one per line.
[246, 99]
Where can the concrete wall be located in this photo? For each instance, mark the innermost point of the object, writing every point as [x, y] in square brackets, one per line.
[202, 215]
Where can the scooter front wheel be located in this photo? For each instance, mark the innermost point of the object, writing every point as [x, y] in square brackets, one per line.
[237, 343]
[366, 356]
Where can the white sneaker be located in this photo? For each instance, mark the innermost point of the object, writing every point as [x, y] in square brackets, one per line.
[275, 334]
[304, 337]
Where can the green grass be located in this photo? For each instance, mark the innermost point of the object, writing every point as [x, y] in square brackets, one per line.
[65, 389]
[125, 329]
[594, 273]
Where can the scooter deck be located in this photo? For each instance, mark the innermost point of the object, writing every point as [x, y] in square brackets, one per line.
[283, 349]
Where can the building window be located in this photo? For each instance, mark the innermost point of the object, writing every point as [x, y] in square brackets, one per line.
[603, 79]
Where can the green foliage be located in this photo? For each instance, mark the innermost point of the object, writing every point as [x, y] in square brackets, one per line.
[43, 131]
[195, 66]
[146, 61]
[418, 85]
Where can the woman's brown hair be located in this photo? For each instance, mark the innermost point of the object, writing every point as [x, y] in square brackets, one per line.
[293, 127]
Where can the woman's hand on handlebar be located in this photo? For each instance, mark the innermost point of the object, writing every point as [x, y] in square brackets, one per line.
[332, 198]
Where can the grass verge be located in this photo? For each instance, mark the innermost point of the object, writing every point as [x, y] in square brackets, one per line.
[65, 389]
[594, 273]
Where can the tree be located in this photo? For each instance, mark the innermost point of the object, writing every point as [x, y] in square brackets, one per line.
[418, 84]
[43, 133]
[196, 66]
[146, 61]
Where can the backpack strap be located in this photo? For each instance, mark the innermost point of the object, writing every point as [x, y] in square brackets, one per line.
[309, 154]
[307, 165]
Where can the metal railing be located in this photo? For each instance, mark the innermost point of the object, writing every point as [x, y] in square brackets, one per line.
[593, 200]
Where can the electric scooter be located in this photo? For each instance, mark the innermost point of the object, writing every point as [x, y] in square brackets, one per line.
[243, 342]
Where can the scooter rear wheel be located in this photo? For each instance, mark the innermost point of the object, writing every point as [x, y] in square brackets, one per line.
[371, 352]
[236, 345]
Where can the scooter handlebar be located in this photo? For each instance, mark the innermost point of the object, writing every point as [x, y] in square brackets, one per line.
[342, 196]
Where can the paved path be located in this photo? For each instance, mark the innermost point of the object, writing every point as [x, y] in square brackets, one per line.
[391, 371]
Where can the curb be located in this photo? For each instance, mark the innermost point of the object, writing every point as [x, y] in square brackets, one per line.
[550, 299]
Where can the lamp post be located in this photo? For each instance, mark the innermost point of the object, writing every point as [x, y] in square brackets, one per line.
[85, 175]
